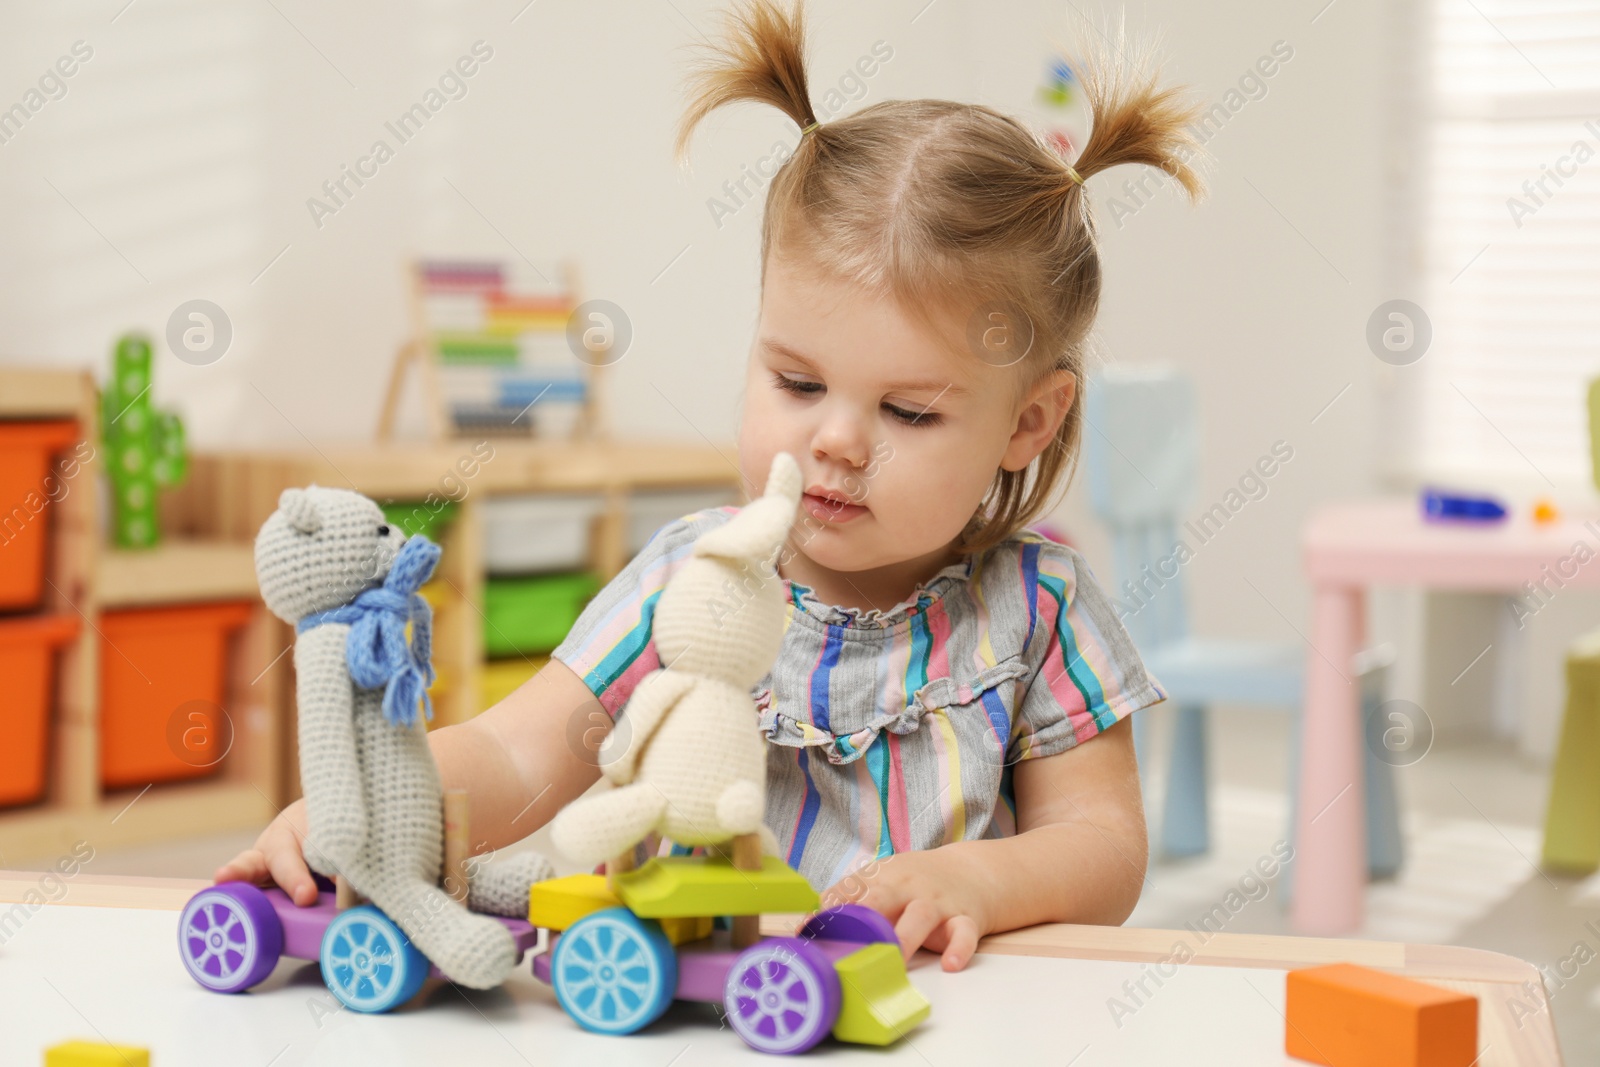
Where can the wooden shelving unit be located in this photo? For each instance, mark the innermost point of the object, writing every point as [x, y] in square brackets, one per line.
[177, 572]
[86, 578]
[209, 525]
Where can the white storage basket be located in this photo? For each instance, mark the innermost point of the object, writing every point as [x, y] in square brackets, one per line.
[538, 531]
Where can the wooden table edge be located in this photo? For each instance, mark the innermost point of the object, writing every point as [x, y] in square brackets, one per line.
[1129, 944]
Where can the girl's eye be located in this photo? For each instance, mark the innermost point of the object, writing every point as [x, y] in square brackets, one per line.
[900, 415]
[913, 418]
[793, 385]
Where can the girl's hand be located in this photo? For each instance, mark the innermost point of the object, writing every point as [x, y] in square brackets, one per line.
[932, 897]
[278, 856]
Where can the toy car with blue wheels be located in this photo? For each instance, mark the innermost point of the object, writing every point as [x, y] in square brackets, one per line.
[616, 960]
[231, 936]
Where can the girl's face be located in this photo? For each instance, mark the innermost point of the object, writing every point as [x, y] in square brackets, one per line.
[878, 412]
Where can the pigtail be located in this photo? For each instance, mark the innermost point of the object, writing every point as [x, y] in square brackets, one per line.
[761, 58]
[1135, 119]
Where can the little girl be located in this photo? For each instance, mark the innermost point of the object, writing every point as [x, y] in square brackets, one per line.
[929, 275]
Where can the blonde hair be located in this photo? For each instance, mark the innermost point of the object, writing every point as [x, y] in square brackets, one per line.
[948, 205]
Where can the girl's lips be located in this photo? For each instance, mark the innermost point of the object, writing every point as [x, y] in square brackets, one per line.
[835, 511]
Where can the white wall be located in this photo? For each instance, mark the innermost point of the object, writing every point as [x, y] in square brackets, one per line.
[179, 163]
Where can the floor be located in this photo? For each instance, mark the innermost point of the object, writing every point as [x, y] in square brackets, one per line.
[1472, 833]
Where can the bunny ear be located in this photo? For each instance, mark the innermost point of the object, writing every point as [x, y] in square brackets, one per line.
[783, 480]
[762, 526]
[301, 511]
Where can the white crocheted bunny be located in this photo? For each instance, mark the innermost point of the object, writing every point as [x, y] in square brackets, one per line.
[373, 797]
[686, 757]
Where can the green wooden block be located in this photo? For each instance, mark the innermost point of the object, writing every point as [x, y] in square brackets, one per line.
[677, 886]
[878, 1004]
[1572, 821]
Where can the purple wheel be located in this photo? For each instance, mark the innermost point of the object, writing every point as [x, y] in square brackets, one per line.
[850, 922]
[782, 995]
[229, 937]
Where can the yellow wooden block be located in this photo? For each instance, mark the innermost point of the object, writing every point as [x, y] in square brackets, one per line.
[95, 1054]
[557, 903]
[680, 929]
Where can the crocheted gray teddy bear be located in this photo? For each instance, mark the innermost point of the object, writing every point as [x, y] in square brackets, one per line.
[328, 564]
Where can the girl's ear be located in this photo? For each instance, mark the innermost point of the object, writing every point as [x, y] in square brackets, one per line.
[1040, 418]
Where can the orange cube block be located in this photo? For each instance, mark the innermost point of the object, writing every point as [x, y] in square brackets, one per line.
[1344, 1015]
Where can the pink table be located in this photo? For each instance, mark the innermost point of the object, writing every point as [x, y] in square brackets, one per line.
[1348, 547]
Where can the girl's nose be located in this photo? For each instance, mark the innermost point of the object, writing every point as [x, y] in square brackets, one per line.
[841, 437]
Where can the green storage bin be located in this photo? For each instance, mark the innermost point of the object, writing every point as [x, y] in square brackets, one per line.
[420, 517]
[531, 615]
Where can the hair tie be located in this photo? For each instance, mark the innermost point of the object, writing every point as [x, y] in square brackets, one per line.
[809, 128]
[1074, 175]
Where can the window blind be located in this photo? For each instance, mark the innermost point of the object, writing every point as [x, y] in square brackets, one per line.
[1509, 213]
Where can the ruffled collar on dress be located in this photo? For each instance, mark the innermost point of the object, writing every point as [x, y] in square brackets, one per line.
[802, 597]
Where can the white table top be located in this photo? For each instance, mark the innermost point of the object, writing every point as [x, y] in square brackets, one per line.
[112, 973]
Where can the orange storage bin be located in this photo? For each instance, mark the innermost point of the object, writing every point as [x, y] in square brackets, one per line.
[162, 676]
[28, 647]
[26, 449]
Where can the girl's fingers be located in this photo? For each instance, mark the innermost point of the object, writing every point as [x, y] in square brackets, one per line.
[881, 898]
[247, 866]
[278, 858]
[961, 942]
[919, 919]
[285, 862]
[289, 870]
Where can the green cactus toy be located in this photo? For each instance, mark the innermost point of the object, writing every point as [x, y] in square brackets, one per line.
[145, 447]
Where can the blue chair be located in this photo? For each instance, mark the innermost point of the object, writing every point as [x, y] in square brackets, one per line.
[1140, 447]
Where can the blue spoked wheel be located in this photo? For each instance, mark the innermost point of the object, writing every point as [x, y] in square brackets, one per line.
[614, 972]
[367, 961]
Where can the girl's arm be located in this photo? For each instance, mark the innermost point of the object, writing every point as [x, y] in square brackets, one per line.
[520, 762]
[1080, 852]
[524, 759]
[1078, 856]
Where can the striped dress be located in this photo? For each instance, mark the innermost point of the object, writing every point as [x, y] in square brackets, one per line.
[896, 730]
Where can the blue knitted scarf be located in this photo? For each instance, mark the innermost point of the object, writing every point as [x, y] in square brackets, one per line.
[376, 648]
